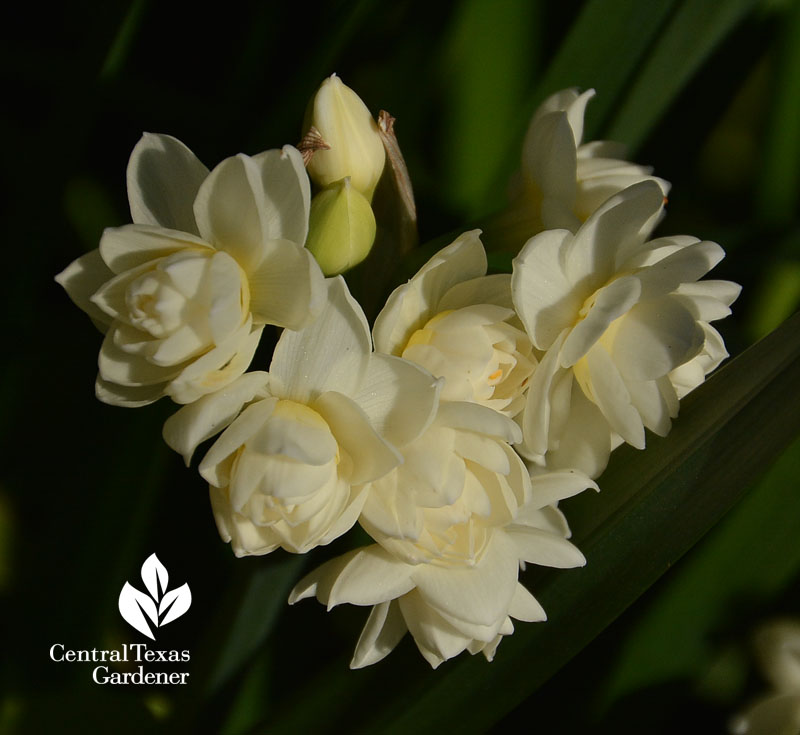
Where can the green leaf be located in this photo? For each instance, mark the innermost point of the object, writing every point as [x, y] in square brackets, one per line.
[691, 36]
[778, 191]
[654, 506]
[603, 50]
[748, 559]
[777, 294]
[263, 595]
[121, 47]
[488, 76]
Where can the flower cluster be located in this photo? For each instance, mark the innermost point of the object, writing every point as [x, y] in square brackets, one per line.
[451, 429]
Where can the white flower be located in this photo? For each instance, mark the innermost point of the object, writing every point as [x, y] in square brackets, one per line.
[460, 324]
[617, 317]
[461, 473]
[289, 469]
[452, 523]
[563, 180]
[778, 648]
[184, 291]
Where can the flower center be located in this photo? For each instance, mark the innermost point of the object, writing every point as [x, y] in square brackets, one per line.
[482, 357]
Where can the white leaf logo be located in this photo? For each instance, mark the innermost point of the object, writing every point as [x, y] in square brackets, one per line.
[160, 606]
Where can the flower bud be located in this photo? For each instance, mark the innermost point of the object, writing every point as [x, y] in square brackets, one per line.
[355, 148]
[341, 228]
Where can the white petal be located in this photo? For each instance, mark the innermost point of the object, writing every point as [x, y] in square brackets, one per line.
[549, 519]
[600, 179]
[123, 368]
[111, 297]
[230, 210]
[436, 639]
[483, 450]
[132, 246]
[585, 441]
[414, 303]
[180, 346]
[225, 281]
[569, 101]
[193, 424]
[544, 548]
[725, 291]
[610, 303]
[477, 418]
[545, 299]
[654, 338]
[480, 594]
[287, 288]
[218, 367]
[366, 576]
[651, 405]
[399, 397]
[550, 487]
[347, 517]
[246, 539]
[382, 632]
[684, 266]
[287, 194]
[331, 353]
[296, 432]
[163, 179]
[536, 414]
[549, 157]
[126, 395]
[372, 457]
[494, 289]
[478, 633]
[612, 397]
[708, 300]
[524, 606]
[81, 278]
[389, 511]
[615, 231]
[247, 424]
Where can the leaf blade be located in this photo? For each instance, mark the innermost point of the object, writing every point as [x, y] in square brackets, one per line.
[691, 36]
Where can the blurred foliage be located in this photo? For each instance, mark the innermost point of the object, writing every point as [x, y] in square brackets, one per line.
[706, 92]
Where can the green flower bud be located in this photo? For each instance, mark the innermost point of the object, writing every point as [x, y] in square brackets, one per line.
[341, 228]
[355, 148]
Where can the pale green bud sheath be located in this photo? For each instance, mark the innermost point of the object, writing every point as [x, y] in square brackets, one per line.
[354, 145]
[341, 228]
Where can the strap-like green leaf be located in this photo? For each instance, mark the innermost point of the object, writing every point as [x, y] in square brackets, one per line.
[696, 29]
[604, 48]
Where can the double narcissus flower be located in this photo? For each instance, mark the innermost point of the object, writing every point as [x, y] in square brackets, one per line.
[618, 318]
[183, 292]
[452, 522]
[460, 324]
[290, 469]
[564, 180]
